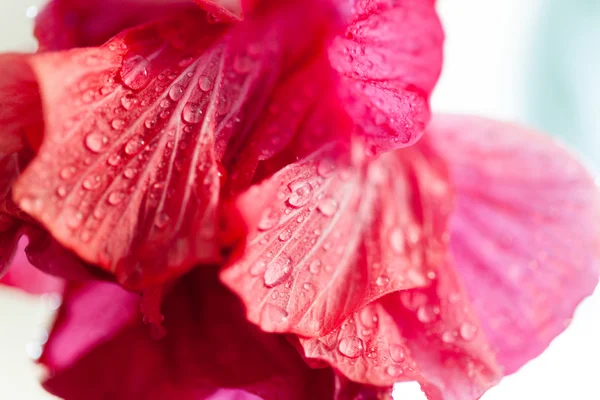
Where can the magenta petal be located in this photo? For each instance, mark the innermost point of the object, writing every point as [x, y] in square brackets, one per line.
[525, 234]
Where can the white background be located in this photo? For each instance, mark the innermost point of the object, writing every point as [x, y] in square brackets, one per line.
[487, 47]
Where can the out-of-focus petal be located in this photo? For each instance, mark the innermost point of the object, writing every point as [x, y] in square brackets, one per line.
[389, 59]
[128, 175]
[21, 111]
[525, 234]
[21, 274]
[64, 24]
[332, 237]
[210, 351]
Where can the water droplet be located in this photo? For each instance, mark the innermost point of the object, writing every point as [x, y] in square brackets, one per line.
[128, 101]
[328, 206]
[114, 160]
[61, 191]
[257, 268]
[468, 331]
[115, 198]
[162, 220]
[397, 353]
[34, 350]
[302, 192]
[205, 83]
[382, 280]
[94, 142]
[74, 219]
[425, 314]
[91, 183]
[269, 219]
[351, 347]
[149, 123]
[192, 113]
[448, 337]
[285, 235]
[135, 71]
[326, 167]
[117, 124]
[392, 370]
[86, 236]
[278, 271]
[176, 92]
[134, 145]
[315, 266]
[307, 286]
[129, 173]
[397, 240]
[368, 317]
[164, 103]
[275, 316]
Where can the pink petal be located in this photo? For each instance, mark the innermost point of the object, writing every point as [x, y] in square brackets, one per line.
[64, 24]
[389, 59]
[333, 237]
[210, 351]
[525, 234]
[24, 276]
[128, 175]
[429, 335]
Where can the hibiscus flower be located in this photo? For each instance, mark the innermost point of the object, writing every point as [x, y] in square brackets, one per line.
[267, 175]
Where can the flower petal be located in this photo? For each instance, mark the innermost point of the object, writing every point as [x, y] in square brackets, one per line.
[226, 9]
[429, 335]
[525, 233]
[210, 351]
[20, 114]
[330, 240]
[64, 24]
[25, 276]
[389, 60]
[128, 175]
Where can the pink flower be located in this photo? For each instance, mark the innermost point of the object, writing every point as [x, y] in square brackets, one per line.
[274, 147]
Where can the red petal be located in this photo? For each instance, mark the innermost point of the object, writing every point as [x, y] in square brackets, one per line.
[429, 335]
[21, 111]
[210, 351]
[64, 24]
[389, 60]
[330, 241]
[128, 174]
[525, 232]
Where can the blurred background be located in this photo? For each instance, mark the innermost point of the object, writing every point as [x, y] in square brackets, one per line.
[535, 62]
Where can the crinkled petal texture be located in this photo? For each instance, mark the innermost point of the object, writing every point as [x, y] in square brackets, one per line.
[525, 232]
[140, 131]
[98, 349]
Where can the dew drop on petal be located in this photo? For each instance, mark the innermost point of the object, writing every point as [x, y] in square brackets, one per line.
[205, 83]
[285, 235]
[351, 347]
[192, 113]
[135, 71]
[368, 317]
[68, 172]
[302, 192]
[397, 353]
[328, 207]
[134, 145]
[117, 124]
[425, 314]
[94, 142]
[325, 167]
[269, 219]
[74, 219]
[315, 266]
[468, 331]
[278, 271]
[128, 101]
[115, 198]
[176, 92]
[162, 220]
[393, 370]
[382, 280]
[275, 315]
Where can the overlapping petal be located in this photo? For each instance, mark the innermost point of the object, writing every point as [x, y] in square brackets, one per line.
[210, 351]
[525, 232]
[128, 175]
[332, 237]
